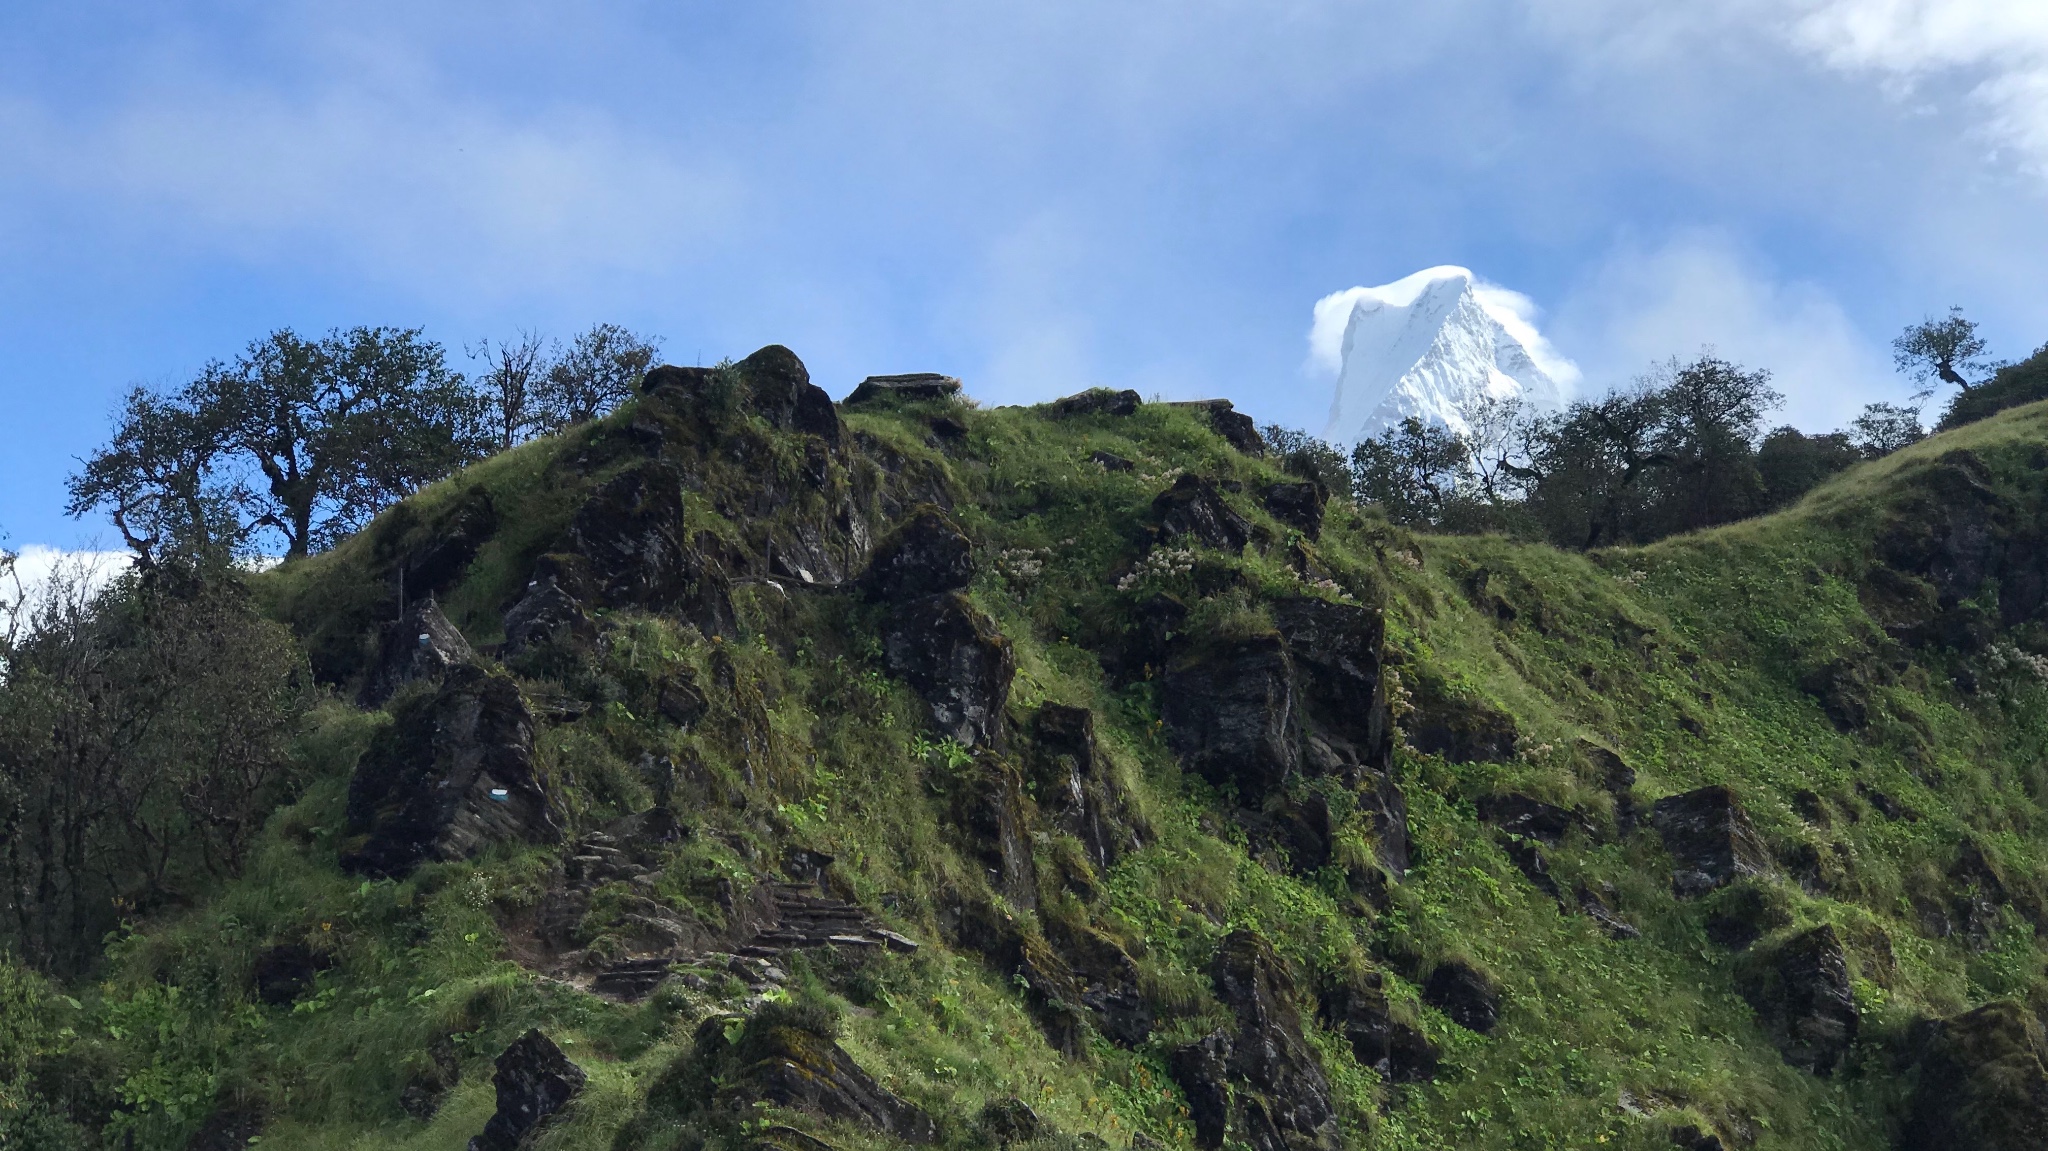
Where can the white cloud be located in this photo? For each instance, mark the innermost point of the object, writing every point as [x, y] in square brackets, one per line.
[1699, 291]
[2000, 46]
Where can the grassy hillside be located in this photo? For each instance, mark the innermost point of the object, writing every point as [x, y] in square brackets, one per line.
[1866, 672]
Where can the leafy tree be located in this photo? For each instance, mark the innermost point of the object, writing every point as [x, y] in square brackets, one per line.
[2012, 385]
[341, 426]
[1792, 463]
[602, 368]
[143, 735]
[1414, 471]
[1939, 350]
[1709, 415]
[1587, 467]
[308, 438]
[156, 479]
[1308, 457]
[516, 386]
[1885, 428]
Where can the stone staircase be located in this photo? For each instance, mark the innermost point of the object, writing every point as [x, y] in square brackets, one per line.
[805, 918]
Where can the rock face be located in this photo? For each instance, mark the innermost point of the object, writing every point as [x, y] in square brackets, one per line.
[1230, 713]
[788, 1065]
[1520, 815]
[1983, 1084]
[1193, 511]
[1710, 840]
[1299, 506]
[534, 1081]
[927, 555]
[955, 657]
[631, 535]
[546, 613]
[1202, 1071]
[913, 386]
[1357, 1009]
[1464, 993]
[1236, 428]
[1801, 990]
[453, 773]
[1282, 1096]
[1075, 792]
[422, 646]
[996, 815]
[781, 392]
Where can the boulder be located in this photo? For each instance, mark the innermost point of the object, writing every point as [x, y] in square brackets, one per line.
[1193, 511]
[957, 659]
[927, 555]
[545, 613]
[1202, 1072]
[1231, 714]
[1098, 402]
[1111, 462]
[1742, 913]
[1465, 993]
[786, 1065]
[1357, 1009]
[1710, 840]
[1299, 506]
[534, 1081]
[1236, 428]
[452, 774]
[1108, 980]
[1800, 989]
[422, 646]
[780, 391]
[1519, 814]
[1283, 1099]
[1983, 1084]
[1459, 725]
[910, 386]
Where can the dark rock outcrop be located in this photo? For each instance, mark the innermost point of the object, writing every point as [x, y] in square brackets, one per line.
[780, 391]
[910, 386]
[1010, 1120]
[1108, 980]
[422, 646]
[1710, 840]
[1098, 402]
[1193, 511]
[534, 1081]
[285, 972]
[1465, 993]
[1458, 725]
[1357, 1009]
[1202, 1072]
[1519, 814]
[1236, 428]
[1801, 990]
[546, 613]
[1742, 913]
[1983, 1084]
[1617, 778]
[1335, 650]
[452, 773]
[1231, 714]
[1282, 1098]
[927, 555]
[631, 537]
[1299, 505]
[792, 1066]
[1111, 462]
[957, 659]
[995, 814]
[1075, 791]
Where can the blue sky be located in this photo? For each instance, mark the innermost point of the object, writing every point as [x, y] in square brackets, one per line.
[1035, 197]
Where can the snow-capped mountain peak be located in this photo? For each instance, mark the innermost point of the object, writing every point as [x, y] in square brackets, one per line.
[1431, 345]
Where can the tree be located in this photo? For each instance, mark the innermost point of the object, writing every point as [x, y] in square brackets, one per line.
[1940, 350]
[143, 739]
[1792, 463]
[1587, 465]
[339, 427]
[602, 369]
[1306, 456]
[2012, 385]
[1710, 412]
[1413, 470]
[1885, 428]
[515, 388]
[156, 480]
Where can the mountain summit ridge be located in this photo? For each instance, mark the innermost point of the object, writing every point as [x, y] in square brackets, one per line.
[1431, 345]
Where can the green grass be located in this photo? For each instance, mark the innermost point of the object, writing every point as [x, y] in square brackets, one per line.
[1685, 657]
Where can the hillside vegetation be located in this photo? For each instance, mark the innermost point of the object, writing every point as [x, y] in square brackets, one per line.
[907, 772]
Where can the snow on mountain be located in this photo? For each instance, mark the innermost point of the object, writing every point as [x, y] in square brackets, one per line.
[1431, 345]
